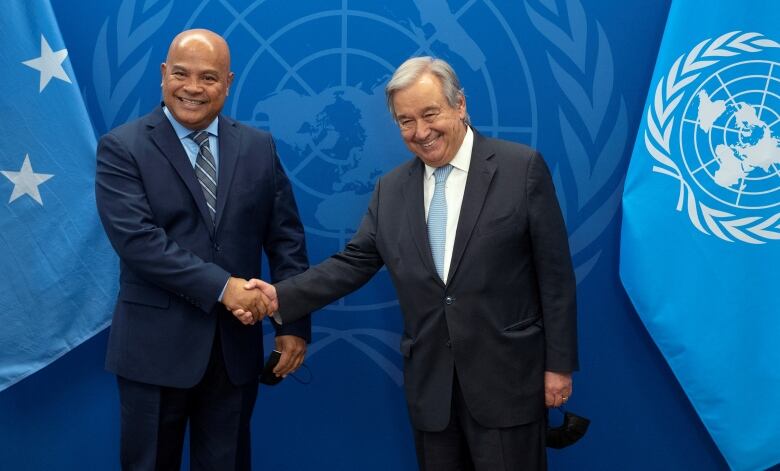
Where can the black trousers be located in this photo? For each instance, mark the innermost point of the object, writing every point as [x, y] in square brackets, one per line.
[154, 419]
[465, 445]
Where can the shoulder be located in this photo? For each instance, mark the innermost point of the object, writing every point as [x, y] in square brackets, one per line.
[512, 158]
[514, 161]
[244, 130]
[132, 130]
[401, 172]
[505, 150]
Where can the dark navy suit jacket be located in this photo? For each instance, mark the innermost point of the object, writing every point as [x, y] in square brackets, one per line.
[174, 262]
[508, 310]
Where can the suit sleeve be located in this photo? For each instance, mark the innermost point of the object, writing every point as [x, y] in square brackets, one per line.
[143, 246]
[338, 275]
[555, 276]
[285, 244]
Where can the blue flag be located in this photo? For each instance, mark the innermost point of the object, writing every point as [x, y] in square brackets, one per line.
[700, 245]
[57, 267]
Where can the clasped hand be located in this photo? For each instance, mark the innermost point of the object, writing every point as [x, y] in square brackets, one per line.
[250, 301]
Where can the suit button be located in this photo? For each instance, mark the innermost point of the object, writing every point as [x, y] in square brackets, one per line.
[448, 344]
[216, 247]
[449, 300]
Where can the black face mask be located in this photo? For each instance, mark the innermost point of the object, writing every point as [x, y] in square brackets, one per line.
[572, 429]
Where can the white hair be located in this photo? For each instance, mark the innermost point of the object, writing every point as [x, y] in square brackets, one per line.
[411, 70]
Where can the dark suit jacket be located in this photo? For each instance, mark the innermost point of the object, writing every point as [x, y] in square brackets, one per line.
[174, 261]
[508, 311]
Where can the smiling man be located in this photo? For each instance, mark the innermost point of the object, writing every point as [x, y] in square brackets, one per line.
[472, 235]
[190, 199]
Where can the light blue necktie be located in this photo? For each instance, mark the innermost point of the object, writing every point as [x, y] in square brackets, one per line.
[437, 218]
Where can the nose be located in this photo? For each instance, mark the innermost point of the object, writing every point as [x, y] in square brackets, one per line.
[192, 85]
[422, 129]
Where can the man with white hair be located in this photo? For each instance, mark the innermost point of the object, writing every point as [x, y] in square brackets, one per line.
[472, 235]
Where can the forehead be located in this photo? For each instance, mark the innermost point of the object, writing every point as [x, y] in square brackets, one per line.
[425, 92]
[197, 53]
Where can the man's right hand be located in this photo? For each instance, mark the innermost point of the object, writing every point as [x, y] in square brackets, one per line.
[269, 292]
[248, 305]
[268, 289]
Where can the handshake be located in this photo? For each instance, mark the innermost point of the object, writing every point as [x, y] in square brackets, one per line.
[250, 301]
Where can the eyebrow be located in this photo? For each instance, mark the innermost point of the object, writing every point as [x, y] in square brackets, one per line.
[177, 67]
[424, 111]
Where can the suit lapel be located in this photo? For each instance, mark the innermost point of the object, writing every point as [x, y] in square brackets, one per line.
[229, 145]
[415, 212]
[165, 139]
[481, 170]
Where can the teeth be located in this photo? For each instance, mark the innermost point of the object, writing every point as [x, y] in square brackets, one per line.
[429, 144]
[192, 102]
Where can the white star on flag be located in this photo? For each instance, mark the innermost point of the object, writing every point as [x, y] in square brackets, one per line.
[26, 181]
[49, 64]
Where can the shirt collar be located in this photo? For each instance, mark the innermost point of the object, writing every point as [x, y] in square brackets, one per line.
[182, 132]
[462, 159]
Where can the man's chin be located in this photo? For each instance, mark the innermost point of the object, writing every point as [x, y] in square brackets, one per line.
[188, 118]
[432, 159]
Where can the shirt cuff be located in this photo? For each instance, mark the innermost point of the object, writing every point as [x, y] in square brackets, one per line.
[222, 294]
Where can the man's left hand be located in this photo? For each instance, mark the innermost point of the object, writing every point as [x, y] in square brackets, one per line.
[557, 388]
[293, 350]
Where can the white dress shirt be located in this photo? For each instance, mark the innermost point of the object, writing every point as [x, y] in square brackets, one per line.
[453, 191]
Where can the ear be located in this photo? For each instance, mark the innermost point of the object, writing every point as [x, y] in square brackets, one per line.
[230, 77]
[462, 106]
[162, 73]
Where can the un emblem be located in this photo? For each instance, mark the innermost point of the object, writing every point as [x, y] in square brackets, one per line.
[713, 127]
[727, 142]
[314, 76]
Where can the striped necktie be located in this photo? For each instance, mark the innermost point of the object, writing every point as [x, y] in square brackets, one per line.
[206, 170]
[437, 218]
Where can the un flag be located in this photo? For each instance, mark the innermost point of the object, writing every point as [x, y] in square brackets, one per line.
[700, 246]
[57, 267]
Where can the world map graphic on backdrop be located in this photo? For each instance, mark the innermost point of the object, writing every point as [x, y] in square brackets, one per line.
[315, 78]
[314, 75]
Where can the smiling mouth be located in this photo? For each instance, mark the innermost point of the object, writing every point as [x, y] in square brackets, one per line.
[188, 101]
[428, 145]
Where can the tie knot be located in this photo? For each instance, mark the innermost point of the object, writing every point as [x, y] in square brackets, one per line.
[200, 137]
[441, 173]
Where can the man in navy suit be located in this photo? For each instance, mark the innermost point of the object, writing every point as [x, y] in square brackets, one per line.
[472, 235]
[189, 199]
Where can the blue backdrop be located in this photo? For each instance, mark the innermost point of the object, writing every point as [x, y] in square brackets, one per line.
[569, 77]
